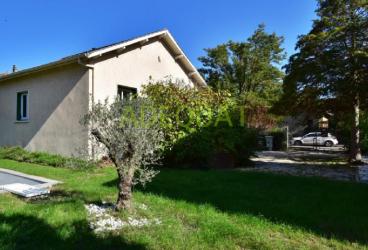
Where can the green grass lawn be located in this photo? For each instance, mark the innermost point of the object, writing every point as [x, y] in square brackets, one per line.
[198, 210]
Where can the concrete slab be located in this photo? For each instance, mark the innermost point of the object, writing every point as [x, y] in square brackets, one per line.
[25, 190]
[7, 178]
[10, 177]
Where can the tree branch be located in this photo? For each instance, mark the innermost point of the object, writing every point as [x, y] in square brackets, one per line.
[97, 134]
[99, 137]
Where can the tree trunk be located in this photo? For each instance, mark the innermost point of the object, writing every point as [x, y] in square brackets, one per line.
[124, 201]
[355, 154]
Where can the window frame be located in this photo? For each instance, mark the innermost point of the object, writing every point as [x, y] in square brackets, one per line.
[309, 135]
[121, 88]
[21, 105]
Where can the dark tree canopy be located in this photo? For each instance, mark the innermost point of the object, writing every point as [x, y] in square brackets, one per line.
[330, 71]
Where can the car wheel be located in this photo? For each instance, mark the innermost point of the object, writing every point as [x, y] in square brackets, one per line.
[298, 143]
[328, 143]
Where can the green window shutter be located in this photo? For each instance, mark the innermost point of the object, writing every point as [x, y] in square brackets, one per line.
[19, 95]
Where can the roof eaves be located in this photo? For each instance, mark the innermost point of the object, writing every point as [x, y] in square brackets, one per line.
[116, 46]
[63, 61]
[193, 72]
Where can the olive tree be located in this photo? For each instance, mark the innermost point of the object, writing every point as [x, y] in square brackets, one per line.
[130, 135]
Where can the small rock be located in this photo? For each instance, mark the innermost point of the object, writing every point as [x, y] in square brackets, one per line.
[101, 221]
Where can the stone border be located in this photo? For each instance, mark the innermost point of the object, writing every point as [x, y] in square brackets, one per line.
[47, 183]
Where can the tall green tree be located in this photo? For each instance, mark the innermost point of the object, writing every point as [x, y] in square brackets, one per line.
[330, 71]
[247, 68]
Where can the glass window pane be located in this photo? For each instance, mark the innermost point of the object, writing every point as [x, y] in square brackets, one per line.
[126, 93]
[24, 104]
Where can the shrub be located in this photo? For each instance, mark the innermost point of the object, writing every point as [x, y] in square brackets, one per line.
[200, 124]
[183, 109]
[215, 147]
[42, 158]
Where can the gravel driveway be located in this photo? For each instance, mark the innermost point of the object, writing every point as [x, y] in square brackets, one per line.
[309, 163]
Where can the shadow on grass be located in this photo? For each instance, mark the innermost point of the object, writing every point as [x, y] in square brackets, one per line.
[328, 208]
[29, 232]
[58, 196]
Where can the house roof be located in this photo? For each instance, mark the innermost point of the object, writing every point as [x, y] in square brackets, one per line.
[163, 35]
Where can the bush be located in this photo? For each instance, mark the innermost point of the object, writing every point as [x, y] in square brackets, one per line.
[201, 126]
[219, 147]
[21, 155]
[184, 110]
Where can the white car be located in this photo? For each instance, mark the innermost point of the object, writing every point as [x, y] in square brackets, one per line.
[316, 138]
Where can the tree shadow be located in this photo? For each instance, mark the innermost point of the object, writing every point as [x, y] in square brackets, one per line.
[58, 196]
[331, 209]
[20, 231]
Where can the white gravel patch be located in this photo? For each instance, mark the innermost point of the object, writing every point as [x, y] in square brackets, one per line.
[100, 219]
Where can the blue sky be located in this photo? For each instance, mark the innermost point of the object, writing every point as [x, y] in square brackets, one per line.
[39, 31]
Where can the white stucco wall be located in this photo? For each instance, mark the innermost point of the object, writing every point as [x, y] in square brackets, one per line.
[57, 100]
[134, 68]
[59, 97]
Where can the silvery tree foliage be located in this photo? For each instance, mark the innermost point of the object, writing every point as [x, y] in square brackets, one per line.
[130, 133]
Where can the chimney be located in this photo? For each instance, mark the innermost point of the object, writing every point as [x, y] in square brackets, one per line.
[14, 68]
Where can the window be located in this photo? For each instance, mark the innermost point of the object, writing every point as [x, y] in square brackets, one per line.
[311, 135]
[22, 106]
[126, 93]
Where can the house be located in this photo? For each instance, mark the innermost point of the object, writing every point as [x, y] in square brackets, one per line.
[40, 107]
